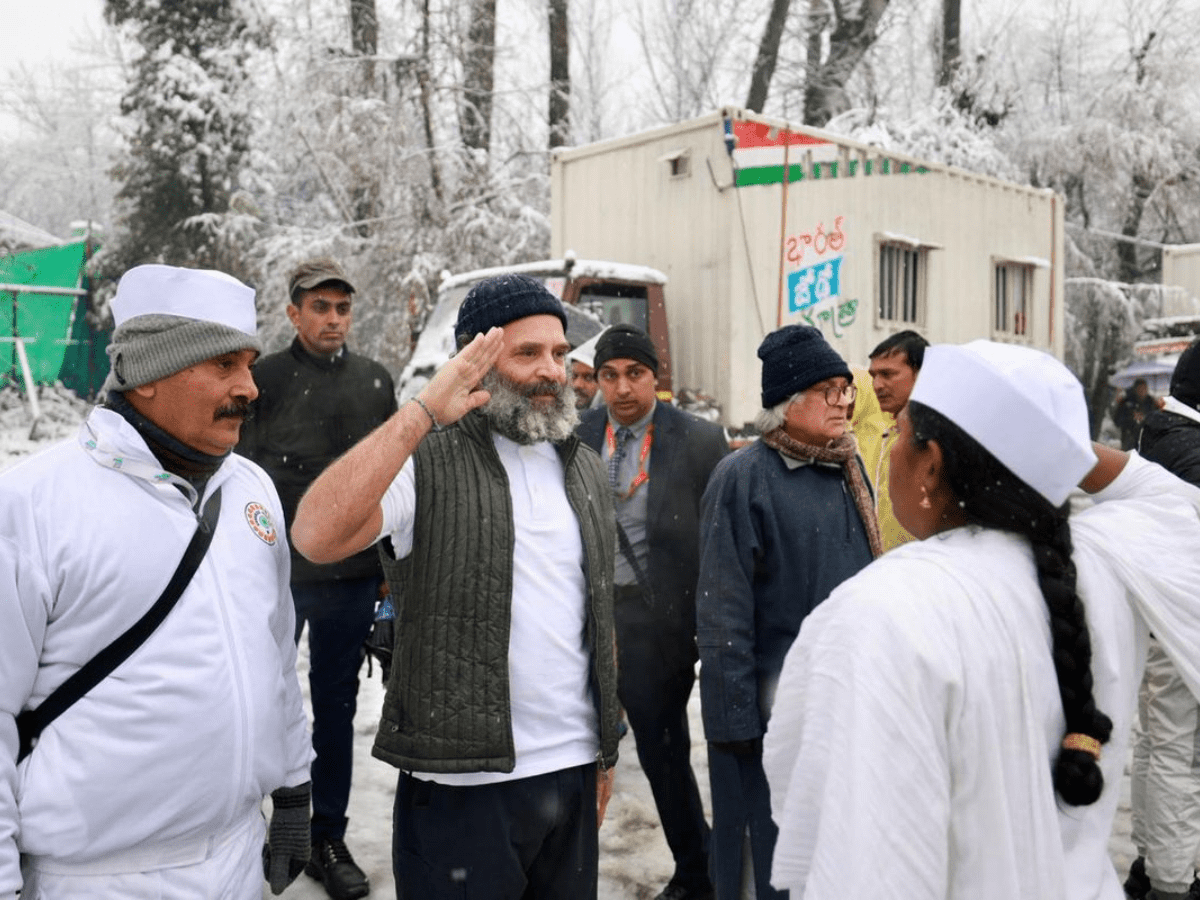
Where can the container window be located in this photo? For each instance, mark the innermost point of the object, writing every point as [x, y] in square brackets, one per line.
[1011, 298]
[901, 289]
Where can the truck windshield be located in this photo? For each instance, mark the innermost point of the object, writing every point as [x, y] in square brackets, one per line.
[613, 304]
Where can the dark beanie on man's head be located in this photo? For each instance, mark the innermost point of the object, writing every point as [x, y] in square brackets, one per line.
[794, 358]
[505, 298]
[1185, 380]
[626, 342]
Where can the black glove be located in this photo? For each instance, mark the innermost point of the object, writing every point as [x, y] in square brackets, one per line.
[381, 639]
[289, 841]
[740, 748]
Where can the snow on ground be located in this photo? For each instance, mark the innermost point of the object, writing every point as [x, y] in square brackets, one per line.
[635, 863]
[634, 860]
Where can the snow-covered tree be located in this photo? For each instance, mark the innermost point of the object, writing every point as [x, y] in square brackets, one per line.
[1101, 323]
[840, 34]
[939, 132]
[478, 59]
[323, 136]
[187, 122]
[1105, 318]
[558, 116]
[1116, 132]
[768, 55]
[693, 53]
[54, 170]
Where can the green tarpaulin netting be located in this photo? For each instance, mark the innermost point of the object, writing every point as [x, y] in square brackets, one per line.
[59, 343]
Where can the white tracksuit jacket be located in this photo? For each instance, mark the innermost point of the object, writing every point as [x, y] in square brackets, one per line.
[204, 720]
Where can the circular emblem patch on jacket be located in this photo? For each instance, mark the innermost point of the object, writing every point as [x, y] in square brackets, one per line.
[260, 522]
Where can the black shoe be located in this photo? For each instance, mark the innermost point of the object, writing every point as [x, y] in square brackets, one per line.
[675, 891]
[1137, 885]
[333, 866]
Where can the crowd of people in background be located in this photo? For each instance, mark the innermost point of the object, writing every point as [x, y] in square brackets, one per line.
[932, 617]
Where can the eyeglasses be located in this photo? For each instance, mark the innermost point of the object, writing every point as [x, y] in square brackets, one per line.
[835, 393]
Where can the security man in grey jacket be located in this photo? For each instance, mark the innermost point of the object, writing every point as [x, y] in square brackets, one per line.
[497, 529]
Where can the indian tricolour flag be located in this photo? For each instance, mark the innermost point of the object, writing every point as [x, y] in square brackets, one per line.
[759, 152]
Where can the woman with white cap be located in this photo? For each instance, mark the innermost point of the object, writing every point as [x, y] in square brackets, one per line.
[954, 721]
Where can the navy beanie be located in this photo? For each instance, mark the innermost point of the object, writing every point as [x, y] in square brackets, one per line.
[503, 299]
[794, 358]
[626, 342]
[1185, 380]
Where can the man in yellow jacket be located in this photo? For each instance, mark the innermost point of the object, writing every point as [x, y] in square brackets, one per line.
[894, 367]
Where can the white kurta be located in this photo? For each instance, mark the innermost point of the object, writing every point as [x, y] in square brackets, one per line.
[918, 713]
[187, 736]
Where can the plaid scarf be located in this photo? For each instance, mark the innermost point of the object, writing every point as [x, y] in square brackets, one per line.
[843, 452]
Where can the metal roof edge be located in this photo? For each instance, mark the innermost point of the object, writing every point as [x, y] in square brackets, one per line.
[639, 137]
[578, 268]
[735, 112]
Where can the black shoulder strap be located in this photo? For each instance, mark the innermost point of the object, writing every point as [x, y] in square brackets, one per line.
[638, 572]
[30, 722]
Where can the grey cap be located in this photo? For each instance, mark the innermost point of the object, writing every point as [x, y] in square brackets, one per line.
[315, 272]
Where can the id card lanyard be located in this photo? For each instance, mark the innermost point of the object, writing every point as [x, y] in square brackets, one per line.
[642, 475]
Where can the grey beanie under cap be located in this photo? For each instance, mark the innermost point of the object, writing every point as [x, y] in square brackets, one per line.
[149, 347]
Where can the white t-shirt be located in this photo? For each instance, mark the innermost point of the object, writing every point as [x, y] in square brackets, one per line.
[553, 714]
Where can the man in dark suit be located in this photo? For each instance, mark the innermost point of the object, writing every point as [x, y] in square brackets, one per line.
[659, 460]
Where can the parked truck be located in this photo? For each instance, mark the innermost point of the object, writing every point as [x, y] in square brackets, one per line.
[748, 223]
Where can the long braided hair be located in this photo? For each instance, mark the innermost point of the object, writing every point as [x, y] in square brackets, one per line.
[993, 497]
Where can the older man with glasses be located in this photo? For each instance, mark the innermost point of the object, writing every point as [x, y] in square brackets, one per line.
[786, 520]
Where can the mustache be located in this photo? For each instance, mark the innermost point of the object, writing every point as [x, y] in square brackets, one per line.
[540, 389]
[233, 411]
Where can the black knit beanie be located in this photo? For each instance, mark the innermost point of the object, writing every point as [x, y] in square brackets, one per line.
[1185, 380]
[794, 358]
[626, 342]
[503, 299]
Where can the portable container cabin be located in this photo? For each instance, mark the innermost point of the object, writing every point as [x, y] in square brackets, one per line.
[757, 223]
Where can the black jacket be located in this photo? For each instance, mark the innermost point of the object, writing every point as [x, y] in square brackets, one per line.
[1172, 441]
[1128, 414]
[310, 410]
[685, 451]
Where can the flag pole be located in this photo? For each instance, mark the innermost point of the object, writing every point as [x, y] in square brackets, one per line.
[783, 225]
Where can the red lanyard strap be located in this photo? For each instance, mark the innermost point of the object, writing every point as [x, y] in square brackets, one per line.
[642, 475]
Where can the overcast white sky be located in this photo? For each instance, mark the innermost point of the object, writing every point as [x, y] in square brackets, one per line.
[34, 30]
[37, 31]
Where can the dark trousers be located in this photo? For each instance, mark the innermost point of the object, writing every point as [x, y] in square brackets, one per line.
[530, 839]
[655, 674]
[741, 801]
[339, 616]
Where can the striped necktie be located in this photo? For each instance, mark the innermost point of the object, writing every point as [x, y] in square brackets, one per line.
[624, 436]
